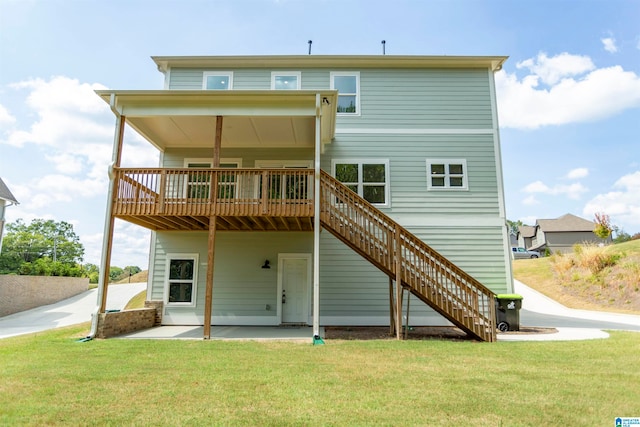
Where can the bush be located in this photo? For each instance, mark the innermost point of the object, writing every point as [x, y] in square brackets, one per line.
[595, 258]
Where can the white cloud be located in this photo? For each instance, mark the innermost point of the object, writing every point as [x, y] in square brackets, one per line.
[573, 191]
[578, 173]
[530, 201]
[576, 92]
[130, 246]
[5, 116]
[622, 204]
[609, 44]
[552, 70]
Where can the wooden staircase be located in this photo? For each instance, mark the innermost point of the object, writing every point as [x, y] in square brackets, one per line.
[408, 260]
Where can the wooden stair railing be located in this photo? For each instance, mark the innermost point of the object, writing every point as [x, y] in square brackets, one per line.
[425, 273]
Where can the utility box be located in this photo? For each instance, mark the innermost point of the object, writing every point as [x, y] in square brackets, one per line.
[508, 312]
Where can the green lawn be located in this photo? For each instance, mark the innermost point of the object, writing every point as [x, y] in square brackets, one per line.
[50, 379]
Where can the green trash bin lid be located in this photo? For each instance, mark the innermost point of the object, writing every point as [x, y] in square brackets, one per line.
[509, 296]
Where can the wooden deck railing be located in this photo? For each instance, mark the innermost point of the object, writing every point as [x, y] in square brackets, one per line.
[427, 274]
[207, 192]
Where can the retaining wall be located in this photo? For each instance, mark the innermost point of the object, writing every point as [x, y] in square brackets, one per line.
[20, 293]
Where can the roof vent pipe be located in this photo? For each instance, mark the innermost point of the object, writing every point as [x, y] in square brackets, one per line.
[310, 41]
[384, 42]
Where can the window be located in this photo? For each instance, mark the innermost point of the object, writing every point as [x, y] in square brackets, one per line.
[348, 86]
[285, 80]
[217, 80]
[181, 278]
[286, 186]
[198, 182]
[368, 178]
[445, 174]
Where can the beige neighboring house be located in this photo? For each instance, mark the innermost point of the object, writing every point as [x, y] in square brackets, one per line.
[560, 234]
[525, 235]
[6, 199]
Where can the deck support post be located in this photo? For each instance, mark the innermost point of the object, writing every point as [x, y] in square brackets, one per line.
[316, 224]
[398, 284]
[109, 222]
[392, 317]
[208, 295]
[218, 142]
[406, 323]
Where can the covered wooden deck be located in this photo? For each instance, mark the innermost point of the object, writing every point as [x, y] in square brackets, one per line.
[240, 199]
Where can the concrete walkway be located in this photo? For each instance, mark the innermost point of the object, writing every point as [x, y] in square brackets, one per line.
[77, 309]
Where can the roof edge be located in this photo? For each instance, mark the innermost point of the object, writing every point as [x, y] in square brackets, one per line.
[330, 61]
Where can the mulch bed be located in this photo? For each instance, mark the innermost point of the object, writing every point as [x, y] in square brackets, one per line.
[415, 333]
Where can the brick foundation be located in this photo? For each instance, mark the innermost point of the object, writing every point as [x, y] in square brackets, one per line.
[156, 305]
[122, 322]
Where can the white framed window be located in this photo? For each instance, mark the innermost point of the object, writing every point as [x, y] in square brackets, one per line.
[286, 80]
[369, 178]
[181, 279]
[217, 80]
[347, 83]
[447, 174]
[286, 186]
[198, 186]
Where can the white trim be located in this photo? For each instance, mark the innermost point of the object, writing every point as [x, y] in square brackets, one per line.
[360, 162]
[167, 79]
[307, 305]
[462, 220]
[207, 74]
[297, 74]
[194, 279]
[274, 164]
[416, 131]
[447, 175]
[356, 74]
[209, 160]
[500, 179]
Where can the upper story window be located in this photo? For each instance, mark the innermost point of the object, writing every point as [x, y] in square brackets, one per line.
[347, 83]
[285, 80]
[447, 174]
[368, 178]
[217, 80]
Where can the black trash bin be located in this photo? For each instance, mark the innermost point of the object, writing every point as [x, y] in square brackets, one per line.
[508, 312]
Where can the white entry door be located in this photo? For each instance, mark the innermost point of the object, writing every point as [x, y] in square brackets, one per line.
[294, 283]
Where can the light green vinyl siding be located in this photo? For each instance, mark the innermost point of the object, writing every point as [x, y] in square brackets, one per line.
[421, 98]
[351, 286]
[241, 287]
[407, 156]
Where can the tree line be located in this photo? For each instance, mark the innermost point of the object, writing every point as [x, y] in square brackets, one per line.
[50, 248]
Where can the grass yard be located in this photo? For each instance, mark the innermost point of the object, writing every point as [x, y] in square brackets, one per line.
[50, 379]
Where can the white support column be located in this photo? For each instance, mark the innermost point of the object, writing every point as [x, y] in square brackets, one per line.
[107, 237]
[316, 224]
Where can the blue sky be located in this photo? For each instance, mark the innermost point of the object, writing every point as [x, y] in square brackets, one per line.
[568, 97]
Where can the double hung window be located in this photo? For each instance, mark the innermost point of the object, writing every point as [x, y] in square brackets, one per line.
[348, 86]
[181, 279]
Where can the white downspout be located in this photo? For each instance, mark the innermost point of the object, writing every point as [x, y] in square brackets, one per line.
[316, 226]
[107, 221]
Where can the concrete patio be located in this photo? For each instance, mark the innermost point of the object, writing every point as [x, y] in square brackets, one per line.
[255, 333]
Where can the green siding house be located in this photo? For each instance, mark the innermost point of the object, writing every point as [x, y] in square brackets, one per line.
[318, 190]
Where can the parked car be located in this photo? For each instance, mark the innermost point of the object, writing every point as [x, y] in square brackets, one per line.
[522, 253]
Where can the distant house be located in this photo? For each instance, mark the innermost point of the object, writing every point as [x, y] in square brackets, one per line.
[560, 234]
[525, 235]
[6, 199]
